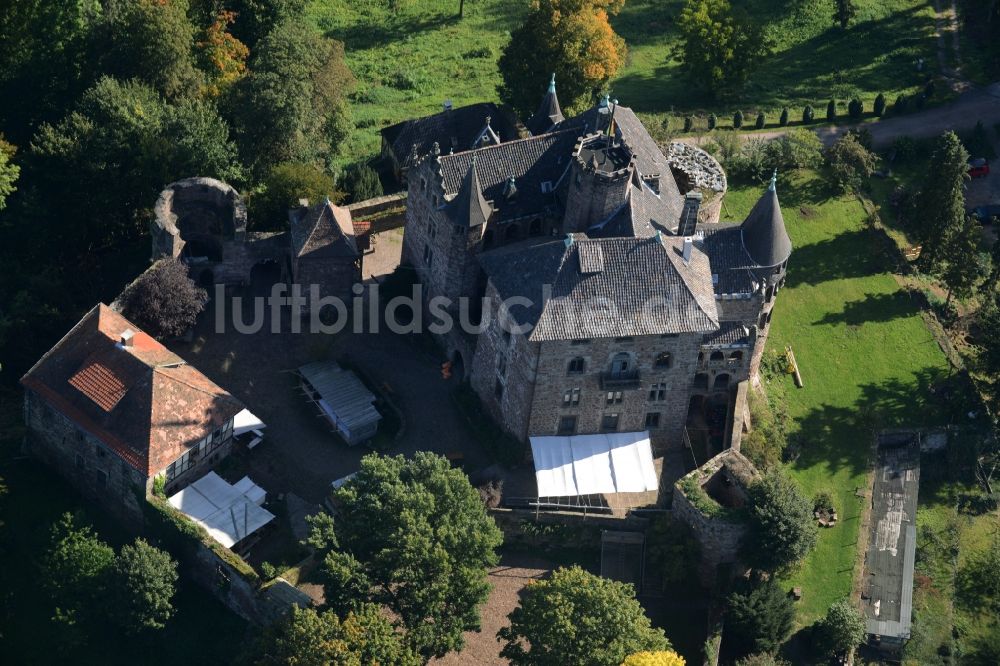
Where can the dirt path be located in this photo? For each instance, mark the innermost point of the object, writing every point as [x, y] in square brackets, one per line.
[947, 28]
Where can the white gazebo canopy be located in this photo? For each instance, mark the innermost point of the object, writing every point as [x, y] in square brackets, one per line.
[606, 463]
[246, 421]
[230, 513]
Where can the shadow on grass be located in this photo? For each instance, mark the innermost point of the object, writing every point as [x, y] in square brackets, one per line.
[840, 437]
[847, 255]
[873, 308]
[372, 34]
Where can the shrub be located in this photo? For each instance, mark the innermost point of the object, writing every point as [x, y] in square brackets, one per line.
[268, 571]
[879, 107]
[850, 163]
[712, 121]
[856, 109]
[929, 90]
[831, 111]
[904, 148]
[920, 100]
[823, 501]
[491, 493]
[761, 121]
[362, 182]
[781, 526]
[808, 114]
[901, 105]
[783, 118]
[688, 123]
[738, 120]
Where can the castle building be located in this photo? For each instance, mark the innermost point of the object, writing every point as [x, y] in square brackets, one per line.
[617, 302]
[111, 409]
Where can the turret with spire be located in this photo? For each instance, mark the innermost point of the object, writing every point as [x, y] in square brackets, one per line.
[469, 207]
[763, 231]
[548, 114]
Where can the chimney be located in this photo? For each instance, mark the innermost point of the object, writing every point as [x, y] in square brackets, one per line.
[127, 338]
[689, 214]
[688, 246]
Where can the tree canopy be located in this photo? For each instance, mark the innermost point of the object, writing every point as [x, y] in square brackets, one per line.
[414, 536]
[571, 38]
[164, 301]
[841, 629]
[781, 526]
[283, 187]
[720, 47]
[575, 617]
[306, 637]
[940, 204]
[850, 162]
[141, 584]
[759, 616]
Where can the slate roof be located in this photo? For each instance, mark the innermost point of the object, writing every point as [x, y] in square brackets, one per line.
[469, 207]
[730, 334]
[453, 130]
[531, 161]
[549, 114]
[144, 402]
[646, 213]
[764, 234]
[323, 231]
[723, 243]
[644, 287]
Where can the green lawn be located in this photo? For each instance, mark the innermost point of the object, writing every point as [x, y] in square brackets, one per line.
[866, 358]
[408, 63]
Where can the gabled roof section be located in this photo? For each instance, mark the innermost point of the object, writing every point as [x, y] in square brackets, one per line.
[142, 401]
[549, 114]
[644, 287]
[763, 231]
[645, 214]
[454, 130]
[532, 162]
[469, 208]
[322, 231]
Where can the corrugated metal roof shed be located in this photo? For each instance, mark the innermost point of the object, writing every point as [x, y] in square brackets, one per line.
[344, 394]
[887, 599]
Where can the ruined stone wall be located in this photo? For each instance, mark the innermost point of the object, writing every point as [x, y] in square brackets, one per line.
[719, 540]
[554, 380]
[80, 458]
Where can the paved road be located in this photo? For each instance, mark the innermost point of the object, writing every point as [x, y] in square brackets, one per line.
[981, 104]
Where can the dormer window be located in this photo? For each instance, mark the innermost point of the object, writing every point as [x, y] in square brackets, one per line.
[546, 186]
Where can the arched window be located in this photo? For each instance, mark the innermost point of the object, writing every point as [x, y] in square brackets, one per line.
[721, 382]
[576, 365]
[663, 360]
[621, 364]
[736, 355]
[717, 356]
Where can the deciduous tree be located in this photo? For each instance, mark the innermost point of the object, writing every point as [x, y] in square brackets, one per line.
[224, 58]
[284, 186]
[164, 301]
[850, 163]
[9, 172]
[415, 534]
[75, 564]
[841, 630]
[306, 637]
[141, 585]
[571, 38]
[575, 617]
[720, 47]
[781, 526]
[658, 658]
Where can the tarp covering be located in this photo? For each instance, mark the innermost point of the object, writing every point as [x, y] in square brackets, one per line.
[245, 421]
[615, 462]
[343, 399]
[229, 513]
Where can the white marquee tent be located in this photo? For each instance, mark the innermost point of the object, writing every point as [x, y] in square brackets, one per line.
[606, 463]
[230, 513]
[246, 421]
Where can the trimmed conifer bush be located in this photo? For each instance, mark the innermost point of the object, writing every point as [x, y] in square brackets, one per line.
[783, 119]
[738, 120]
[856, 109]
[761, 121]
[879, 107]
[831, 111]
[688, 123]
[712, 121]
[808, 115]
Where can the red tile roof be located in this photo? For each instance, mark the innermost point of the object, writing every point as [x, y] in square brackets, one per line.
[142, 400]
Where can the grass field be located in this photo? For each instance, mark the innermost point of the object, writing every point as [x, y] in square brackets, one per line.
[408, 63]
[866, 358]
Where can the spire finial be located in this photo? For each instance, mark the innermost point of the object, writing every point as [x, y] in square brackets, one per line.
[774, 181]
[552, 83]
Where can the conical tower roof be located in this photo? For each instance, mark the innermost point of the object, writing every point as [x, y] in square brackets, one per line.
[548, 113]
[763, 231]
[469, 207]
